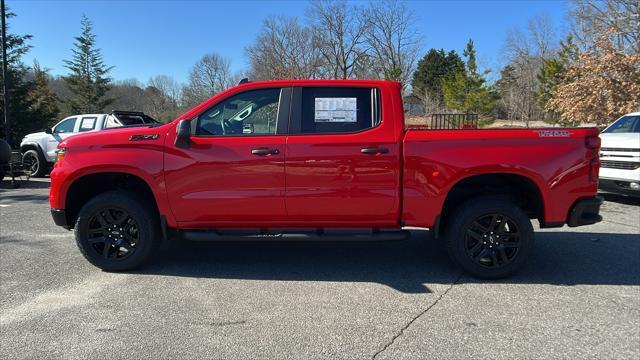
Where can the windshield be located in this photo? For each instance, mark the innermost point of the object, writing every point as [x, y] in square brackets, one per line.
[626, 124]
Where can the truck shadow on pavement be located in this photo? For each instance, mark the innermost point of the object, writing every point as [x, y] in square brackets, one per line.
[11, 194]
[24, 184]
[17, 197]
[622, 199]
[561, 258]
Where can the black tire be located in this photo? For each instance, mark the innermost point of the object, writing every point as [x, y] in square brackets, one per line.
[34, 163]
[128, 242]
[489, 237]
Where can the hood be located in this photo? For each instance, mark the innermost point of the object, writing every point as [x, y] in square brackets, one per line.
[621, 140]
[114, 137]
[37, 135]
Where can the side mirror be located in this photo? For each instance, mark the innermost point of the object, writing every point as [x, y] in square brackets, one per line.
[48, 131]
[183, 134]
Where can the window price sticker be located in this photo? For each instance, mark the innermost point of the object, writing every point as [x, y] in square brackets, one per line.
[336, 110]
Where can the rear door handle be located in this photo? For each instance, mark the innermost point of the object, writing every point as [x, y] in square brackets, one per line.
[374, 150]
[265, 152]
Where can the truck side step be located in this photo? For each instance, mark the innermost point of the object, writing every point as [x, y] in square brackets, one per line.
[306, 235]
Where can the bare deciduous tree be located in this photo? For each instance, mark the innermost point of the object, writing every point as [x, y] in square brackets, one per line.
[392, 39]
[620, 19]
[525, 52]
[209, 76]
[339, 34]
[284, 49]
[169, 87]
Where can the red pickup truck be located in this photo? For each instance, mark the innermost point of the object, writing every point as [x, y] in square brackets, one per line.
[321, 159]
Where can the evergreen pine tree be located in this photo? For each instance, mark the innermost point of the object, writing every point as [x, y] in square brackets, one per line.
[467, 90]
[26, 114]
[89, 80]
[43, 100]
[432, 69]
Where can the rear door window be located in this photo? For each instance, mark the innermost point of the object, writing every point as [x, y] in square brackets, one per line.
[88, 123]
[335, 110]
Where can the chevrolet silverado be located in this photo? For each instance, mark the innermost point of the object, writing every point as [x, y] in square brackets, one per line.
[321, 159]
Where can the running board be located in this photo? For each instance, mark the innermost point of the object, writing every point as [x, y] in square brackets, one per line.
[317, 235]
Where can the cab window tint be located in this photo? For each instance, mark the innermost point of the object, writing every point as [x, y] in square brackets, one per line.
[253, 112]
[66, 126]
[338, 110]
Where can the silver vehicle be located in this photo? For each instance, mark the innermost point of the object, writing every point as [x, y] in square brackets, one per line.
[38, 149]
[620, 156]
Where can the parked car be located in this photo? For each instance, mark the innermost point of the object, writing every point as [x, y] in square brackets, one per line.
[620, 156]
[321, 159]
[38, 149]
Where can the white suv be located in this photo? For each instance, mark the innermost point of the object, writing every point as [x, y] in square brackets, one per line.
[38, 149]
[620, 156]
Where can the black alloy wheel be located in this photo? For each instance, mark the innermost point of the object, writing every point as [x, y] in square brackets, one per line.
[118, 230]
[113, 233]
[490, 237]
[492, 240]
[32, 163]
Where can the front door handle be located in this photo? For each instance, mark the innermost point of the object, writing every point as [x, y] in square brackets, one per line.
[265, 152]
[374, 150]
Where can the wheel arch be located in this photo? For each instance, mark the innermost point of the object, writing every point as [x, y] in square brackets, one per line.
[87, 186]
[24, 147]
[519, 188]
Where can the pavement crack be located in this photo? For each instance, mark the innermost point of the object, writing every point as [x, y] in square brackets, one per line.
[408, 324]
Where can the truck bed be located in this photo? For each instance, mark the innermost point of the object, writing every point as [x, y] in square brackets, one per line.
[557, 161]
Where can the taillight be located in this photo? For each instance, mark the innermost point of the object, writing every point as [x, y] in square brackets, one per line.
[594, 169]
[592, 142]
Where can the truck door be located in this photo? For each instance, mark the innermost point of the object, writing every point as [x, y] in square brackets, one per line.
[232, 174]
[59, 132]
[342, 159]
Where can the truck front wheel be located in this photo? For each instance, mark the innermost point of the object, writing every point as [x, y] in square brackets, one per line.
[34, 163]
[117, 231]
[489, 237]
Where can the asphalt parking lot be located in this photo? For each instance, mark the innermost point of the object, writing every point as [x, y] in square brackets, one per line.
[578, 297]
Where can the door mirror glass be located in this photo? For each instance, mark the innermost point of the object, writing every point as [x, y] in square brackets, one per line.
[48, 131]
[183, 134]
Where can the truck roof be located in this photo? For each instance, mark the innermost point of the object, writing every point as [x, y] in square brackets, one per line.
[318, 82]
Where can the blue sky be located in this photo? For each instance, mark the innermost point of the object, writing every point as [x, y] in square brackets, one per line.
[146, 38]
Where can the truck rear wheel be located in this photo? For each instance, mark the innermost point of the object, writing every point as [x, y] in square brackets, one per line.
[490, 238]
[117, 231]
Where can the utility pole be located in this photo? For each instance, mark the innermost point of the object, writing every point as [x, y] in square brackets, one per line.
[5, 78]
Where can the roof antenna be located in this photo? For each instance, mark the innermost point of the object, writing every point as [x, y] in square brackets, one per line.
[243, 81]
